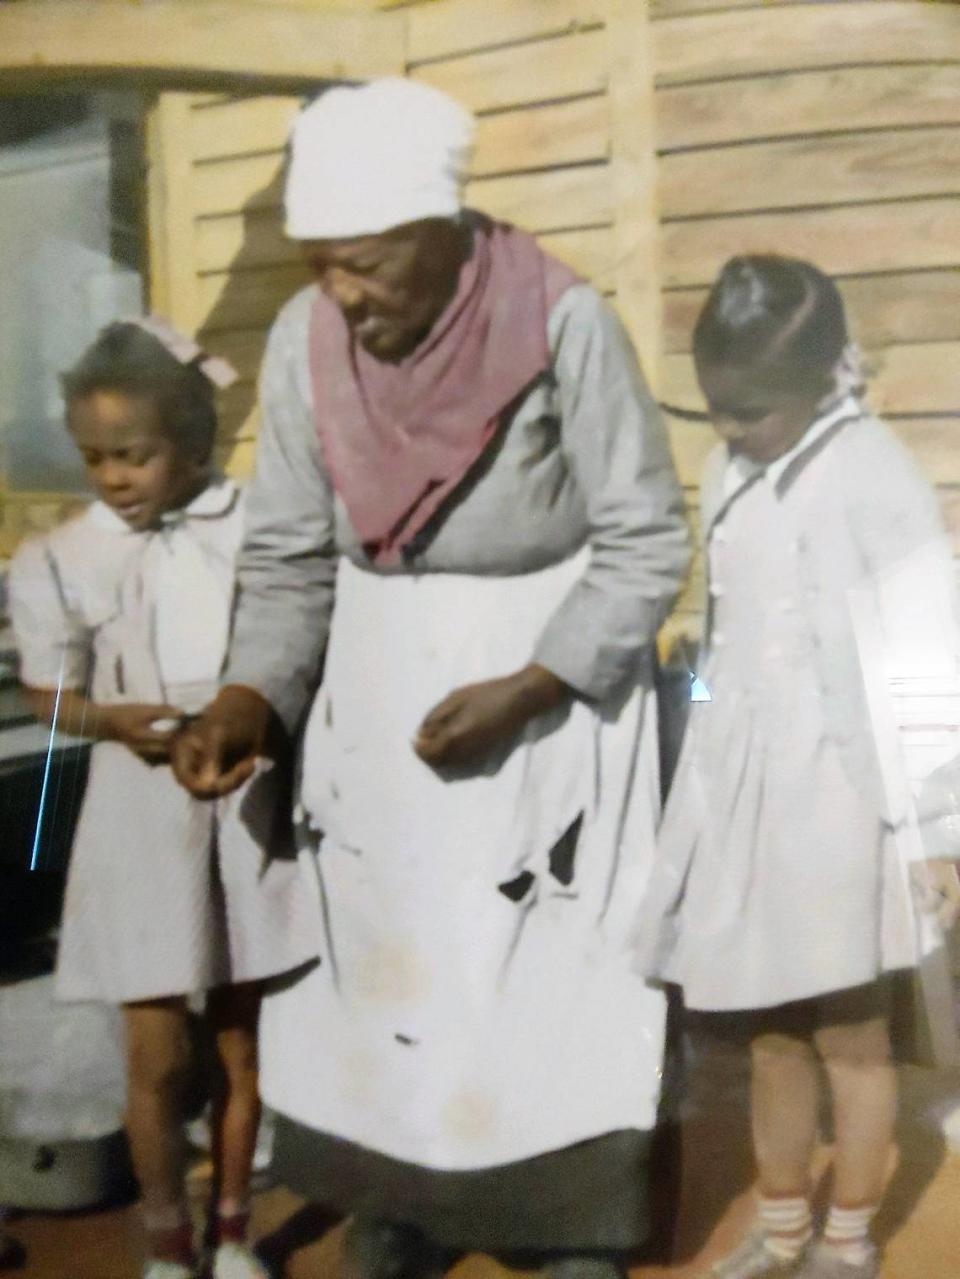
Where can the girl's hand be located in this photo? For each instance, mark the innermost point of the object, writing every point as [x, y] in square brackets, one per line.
[938, 890]
[472, 721]
[132, 724]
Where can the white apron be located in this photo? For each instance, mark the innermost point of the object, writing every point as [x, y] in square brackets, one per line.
[450, 1024]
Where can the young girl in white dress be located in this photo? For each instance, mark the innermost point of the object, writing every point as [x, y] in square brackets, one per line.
[121, 617]
[779, 894]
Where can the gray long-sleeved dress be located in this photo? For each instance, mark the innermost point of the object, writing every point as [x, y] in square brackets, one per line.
[581, 466]
[584, 458]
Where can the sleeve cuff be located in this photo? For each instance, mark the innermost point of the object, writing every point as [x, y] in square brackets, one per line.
[573, 650]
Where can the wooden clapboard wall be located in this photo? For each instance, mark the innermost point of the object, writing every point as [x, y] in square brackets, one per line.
[563, 94]
[195, 180]
[565, 148]
[831, 131]
[220, 265]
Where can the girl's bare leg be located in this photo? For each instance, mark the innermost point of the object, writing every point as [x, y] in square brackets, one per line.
[233, 1012]
[864, 1088]
[158, 1066]
[783, 1112]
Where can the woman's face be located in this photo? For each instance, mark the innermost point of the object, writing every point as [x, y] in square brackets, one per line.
[757, 418]
[391, 287]
[133, 465]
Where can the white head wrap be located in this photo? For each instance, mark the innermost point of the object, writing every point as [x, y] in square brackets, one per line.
[374, 157]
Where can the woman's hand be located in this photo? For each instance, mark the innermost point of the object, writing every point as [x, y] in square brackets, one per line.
[474, 720]
[216, 752]
[146, 730]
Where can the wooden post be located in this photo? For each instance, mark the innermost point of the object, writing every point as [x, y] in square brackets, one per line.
[634, 175]
[173, 284]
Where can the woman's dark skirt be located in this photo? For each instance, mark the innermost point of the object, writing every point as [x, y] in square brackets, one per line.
[592, 1196]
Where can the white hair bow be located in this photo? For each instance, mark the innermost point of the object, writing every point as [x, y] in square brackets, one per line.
[216, 369]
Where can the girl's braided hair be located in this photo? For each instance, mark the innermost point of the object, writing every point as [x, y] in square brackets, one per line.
[770, 312]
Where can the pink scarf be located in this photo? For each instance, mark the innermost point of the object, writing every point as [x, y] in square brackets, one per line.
[397, 439]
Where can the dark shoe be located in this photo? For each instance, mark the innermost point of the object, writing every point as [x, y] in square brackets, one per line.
[13, 1255]
[375, 1248]
[583, 1267]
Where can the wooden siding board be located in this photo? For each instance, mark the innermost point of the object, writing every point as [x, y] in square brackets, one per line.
[915, 379]
[896, 235]
[757, 41]
[543, 136]
[248, 182]
[556, 200]
[807, 103]
[518, 75]
[844, 168]
[446, 30]
[682, 8]
[633, 170]
[242, 240]
[242, 127]
[247, 299]
[592, 253]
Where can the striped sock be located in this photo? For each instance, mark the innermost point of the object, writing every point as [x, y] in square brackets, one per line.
[787, 1225]
[847, 1232]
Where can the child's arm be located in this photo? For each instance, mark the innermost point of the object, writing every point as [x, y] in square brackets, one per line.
[55, 645]
[129, 723]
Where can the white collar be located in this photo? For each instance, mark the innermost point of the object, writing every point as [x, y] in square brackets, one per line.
[740, 469]
[210, 503]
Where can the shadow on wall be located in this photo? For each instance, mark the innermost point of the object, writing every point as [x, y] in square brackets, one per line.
[262, 275]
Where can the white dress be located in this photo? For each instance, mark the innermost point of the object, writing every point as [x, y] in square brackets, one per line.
[778, 877]
[166, 895]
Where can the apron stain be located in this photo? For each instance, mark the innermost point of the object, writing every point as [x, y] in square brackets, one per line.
[470, 1115]
[359, 1079]
[392, 973]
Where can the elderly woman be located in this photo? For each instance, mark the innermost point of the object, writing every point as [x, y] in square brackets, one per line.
[465, 515]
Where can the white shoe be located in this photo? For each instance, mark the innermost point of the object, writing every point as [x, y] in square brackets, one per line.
[155, 1269]
[823, 1262]
[234, 1261]
[752, 1260]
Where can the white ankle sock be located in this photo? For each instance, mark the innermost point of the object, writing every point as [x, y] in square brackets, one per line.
[847, 1232]
[787, 1225]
